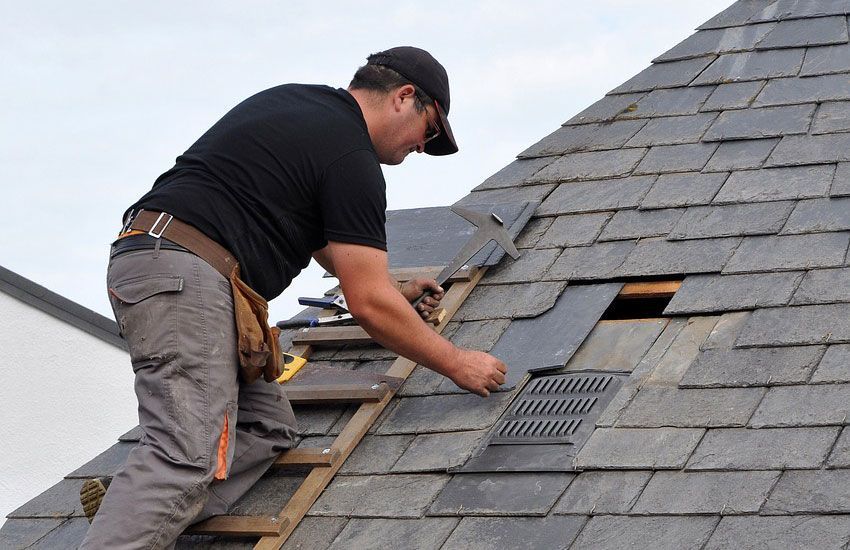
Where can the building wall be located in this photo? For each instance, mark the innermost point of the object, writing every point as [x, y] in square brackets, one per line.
[66, 396]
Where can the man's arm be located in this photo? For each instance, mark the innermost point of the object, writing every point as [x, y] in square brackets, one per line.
[385, 314]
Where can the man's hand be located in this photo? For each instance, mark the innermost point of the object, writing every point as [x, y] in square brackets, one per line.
[478, 372]
[414, 288]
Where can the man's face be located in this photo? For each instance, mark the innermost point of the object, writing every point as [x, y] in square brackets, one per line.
[410, 129]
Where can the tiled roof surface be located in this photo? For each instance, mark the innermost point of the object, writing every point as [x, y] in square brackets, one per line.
[724, 162]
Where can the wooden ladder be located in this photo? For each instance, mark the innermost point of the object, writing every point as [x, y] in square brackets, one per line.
[373, 398]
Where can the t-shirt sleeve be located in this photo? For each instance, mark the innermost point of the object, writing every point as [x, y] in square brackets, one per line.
[354, 200]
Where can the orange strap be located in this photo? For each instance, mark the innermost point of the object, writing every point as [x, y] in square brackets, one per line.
[221, 469]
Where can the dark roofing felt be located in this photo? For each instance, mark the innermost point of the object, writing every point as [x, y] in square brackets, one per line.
[726, 162]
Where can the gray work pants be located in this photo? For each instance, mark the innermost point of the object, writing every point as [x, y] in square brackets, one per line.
[176, 313]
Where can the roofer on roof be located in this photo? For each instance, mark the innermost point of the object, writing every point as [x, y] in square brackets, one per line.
[289, 173]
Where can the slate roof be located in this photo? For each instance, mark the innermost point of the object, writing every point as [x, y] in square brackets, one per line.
[725, 162]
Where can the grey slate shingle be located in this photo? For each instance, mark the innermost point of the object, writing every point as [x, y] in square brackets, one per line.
[68, 535]
[737, 14]
[787, 91]
[531, 265]
[397, 496]
[480, 335]
[758, 65]
[507, 301]
[106, 463]
[670, 102]
[532, 232]
[841, 182]
[602, 493]
[672, 130]
[788, 252]
[590, 165]
[665, 75]
[638, 224]
[443, 413]
[717, 41]
[375, 454]
[21, 533]
[772, 184]
[761, 123]
[826, 60]
[705, 492]
[840, 455]
[500, 494]
[710, 293]
[816, 215]
[797, 325]
[314, 532]
[438, 452]
[429, 533]
[596, 196]
[606, 108]
[676, 158]
[702, 222]
[806, 32]
[764, 449]
[638, 448]
[832, 116]
[683, 189]
[824, 491]
[655, 407]
[574, 230]
[809, 405]
[740, 154]
[834, 366]
[532, 192]
[726, 330]
[617, 346]
[716, 368]
[800, 9]
[661, 257]
[599, 261]
[734, 95]
[60, 501]
[656, 532]
[515, 173]
[822, 532]
[586, 137]
[519, 533]
[671, 367]
[823, 286]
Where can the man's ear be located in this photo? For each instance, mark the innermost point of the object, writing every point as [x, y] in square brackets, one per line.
[402, 94]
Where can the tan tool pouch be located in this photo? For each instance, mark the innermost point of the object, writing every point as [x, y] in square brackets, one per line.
[259, 349]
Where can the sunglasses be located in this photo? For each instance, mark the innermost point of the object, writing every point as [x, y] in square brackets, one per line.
[433, 130]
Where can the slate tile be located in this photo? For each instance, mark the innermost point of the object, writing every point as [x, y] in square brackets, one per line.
[134, 434]
[709, 293]
[824, 286]
[480, 335]
[670, 102]
[761, 123]
[726, 331]
[671, 367]
[765, 449]
[68, 535]
[474, 533]
[438, 452]
[375, 454]
[607, 108]
[599, 261]
[661, 257]
[531, 265]
[715, 41]
[574, 230]
[840, 455]
[638, 448]
[737, 14]
[639, 224]
[425, 533]
[528, 494]
[788, 91]
[821, 324]
[826, 60]
[834, 366]
[530, 192]
[422, 381]
[795, 9]
[740, 154]
[369, 352]
[703, 222]
[590, 165]
[509, 301]
[655, 407]
[734, 95]
[617, 345]
[705, 492]
[314, 532]
[665, 75]
[586, 137]
[21, 533]
[788, 252]
[397, 495]
[514, 174]
[752, 532]
[773, 184]
[758, 65]
[841, 182]
[718, 368]
[532, 232]
[683, 189]
[806, 32]
[444, 413]
[602, 493]
[268, 496]
[817, 215]
[316, 419]
[672, 130]
[656, 532]
[817, 491]
[596, 196]
[831, 117]
[106, 463]
[809, 405]
[60, 501]
[676, 158]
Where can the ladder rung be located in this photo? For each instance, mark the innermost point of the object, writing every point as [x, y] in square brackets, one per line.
[307, 457]
[330, 336]
[264, 526]
[336, 393]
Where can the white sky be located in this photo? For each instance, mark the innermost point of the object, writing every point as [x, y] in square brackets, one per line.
[99, 97]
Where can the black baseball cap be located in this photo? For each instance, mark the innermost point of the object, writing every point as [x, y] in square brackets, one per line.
[420, 68]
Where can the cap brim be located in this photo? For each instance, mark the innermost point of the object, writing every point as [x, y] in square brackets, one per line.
[444, 144]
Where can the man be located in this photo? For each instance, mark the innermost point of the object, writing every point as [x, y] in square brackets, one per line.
[289, 173]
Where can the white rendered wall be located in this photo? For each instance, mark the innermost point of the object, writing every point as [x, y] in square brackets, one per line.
[65, 397]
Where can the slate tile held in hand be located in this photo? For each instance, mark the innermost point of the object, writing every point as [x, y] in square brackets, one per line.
[670, 102]
[702, 222]
[444, 413]
[789, 252]
[599, 261]
[585, 137]
[809, 405]
[509, 301]
[683, 189]
[638, 448]
[573, 230]
[788, 91]
[527, 494]
[831, 117]
[757, 65]
[514, 174]
[474, 533]
[834, 366]
[655, 407]
[826, 60]
[806, 32]
[676, 158]
[672, 130]
[709, 293]
[816, 491]
[590, 165]
[797, 325]
[705, 492]
[764, 449]
[607, 108]
[656, 532]
[596, 196]
[734, 95]
[428, 533]
[740, 154]
[823, 532]
[773, 184]
[602, 493]
[665, 75]
[761, 123]
[817, 215]
[719, 368]
[438, 452]
[639, 224]
[662, 257]
[715, 41]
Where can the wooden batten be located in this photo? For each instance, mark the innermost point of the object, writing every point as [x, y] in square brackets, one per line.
[649, 289]
[240, 526]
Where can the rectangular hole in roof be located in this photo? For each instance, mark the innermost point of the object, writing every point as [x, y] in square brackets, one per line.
[642, 300]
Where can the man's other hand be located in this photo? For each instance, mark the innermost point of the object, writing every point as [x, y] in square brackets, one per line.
[478, 372]
[414, 288]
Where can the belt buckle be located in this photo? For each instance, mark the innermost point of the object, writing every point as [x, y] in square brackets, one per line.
[152, 231]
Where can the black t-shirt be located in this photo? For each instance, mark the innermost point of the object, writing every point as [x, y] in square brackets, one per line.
[277, 177]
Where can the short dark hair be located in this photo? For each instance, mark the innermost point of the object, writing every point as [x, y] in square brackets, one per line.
[378, 78]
